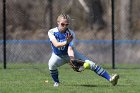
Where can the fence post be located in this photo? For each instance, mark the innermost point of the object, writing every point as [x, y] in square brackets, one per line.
[113, 35]
[50, 13]
[4, 34]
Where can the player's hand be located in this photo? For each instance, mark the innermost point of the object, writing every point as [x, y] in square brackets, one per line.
[77, 65]
[69, 38]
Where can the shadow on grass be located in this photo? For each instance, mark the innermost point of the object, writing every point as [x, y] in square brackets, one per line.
[87, 85]
[117, 68]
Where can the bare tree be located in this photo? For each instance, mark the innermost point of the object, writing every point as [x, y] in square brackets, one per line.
[48, 14]
[95, 13]
[125, 14]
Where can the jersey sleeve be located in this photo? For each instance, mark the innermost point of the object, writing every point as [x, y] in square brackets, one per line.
[51, 35]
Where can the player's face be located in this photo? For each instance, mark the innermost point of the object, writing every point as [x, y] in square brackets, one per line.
[63, 24]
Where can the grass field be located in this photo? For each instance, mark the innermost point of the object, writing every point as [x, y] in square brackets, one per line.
[29, 78]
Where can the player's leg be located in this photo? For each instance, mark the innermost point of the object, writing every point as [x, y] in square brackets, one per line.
[54, 62]
[102, 72]
[97, 69]
[53, 68]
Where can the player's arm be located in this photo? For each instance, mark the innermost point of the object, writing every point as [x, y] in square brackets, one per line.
[71, 47]
[76, 64]
[59, 44]
[71, 52]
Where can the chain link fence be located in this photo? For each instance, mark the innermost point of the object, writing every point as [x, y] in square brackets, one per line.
[28, 21]
[1, 35]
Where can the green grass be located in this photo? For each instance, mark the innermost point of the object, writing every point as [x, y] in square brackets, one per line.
[29, 78]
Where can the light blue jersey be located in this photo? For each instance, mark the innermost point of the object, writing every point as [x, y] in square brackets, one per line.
[60, 37]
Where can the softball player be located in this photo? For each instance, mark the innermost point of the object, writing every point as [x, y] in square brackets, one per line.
[62, 43]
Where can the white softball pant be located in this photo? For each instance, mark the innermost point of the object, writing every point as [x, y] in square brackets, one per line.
[57, 61]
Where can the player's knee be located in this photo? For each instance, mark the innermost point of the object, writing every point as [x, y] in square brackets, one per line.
[92, 64]
[52, 66]
[54, 71]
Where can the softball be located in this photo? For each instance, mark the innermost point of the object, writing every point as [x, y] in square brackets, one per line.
[46, 81]
[86, 65]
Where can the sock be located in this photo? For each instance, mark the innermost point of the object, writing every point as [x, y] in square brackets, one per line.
[54, 75]
[101, 72]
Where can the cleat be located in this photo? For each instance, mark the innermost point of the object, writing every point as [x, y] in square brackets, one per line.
[114, 79]
[56, 84]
